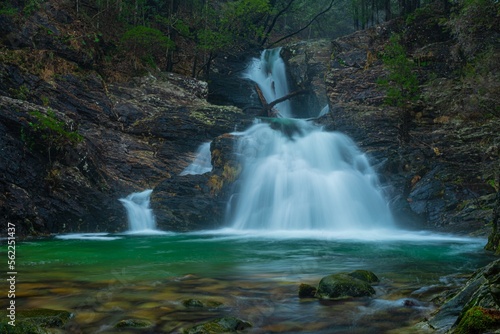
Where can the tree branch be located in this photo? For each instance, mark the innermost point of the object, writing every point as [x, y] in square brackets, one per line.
[268, 108]
[306, 26]
[273, 23]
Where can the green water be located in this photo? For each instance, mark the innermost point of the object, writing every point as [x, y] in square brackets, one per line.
[254, 277]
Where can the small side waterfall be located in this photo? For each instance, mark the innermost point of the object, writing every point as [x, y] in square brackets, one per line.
[140, 216]
[298, 177]
[202, 162]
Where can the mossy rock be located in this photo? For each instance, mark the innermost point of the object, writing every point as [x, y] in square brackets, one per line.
[22, 327]
[34, 321]
[195, 303]
[306, 291]
[478, 320]
[365, 275]
[341, 286]
[134, 323]
[289, 127]
[219, 325]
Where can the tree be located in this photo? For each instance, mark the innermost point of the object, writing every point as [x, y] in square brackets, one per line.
[312, 20]
[233, 25]
[146, 43]
[401, 83]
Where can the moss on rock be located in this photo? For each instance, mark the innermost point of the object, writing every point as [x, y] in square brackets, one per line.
[365, 275]
[133, 323]
[219, 325]
[35, 321]
[478, 320]
[342, 285]
[194, 303]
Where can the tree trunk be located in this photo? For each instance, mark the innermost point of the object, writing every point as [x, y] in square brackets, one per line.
[268, 108]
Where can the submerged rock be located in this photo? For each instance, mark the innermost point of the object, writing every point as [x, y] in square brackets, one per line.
[307, 291]
[37, 321]
[219, 325]
[134, 323]
[342, 285]
[196, 303]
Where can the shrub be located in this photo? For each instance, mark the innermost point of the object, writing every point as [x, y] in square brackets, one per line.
[52, 132]
[146, 43]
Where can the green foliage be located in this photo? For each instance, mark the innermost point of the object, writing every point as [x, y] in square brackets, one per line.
[402, 82]
[481, 85]
[21, 93]
[45, 100]
[474, 23]
[50, 133]
[494, 184]
[7, 9]
[213, 41]
[234, 23]
[141, 37]
[32, 6]
[146, 43]
[416, 15]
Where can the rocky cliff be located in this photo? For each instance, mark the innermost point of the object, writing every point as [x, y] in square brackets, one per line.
[73, 142]
[442, 176]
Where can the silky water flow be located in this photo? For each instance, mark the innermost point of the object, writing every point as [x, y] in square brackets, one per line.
[298, 177]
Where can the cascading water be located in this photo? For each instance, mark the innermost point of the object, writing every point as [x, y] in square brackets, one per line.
[202, 163]
[297, 177]
[140, 216]
[269, 73]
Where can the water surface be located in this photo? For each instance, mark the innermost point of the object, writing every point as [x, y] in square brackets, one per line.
[255, 275]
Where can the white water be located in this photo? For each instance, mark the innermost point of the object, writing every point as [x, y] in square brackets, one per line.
[302, 178]
[269, 72]
[202, 163]
[139, 214]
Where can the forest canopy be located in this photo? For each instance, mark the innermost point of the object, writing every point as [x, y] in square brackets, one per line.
[185, 36]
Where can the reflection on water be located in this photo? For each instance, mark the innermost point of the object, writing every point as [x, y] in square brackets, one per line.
[256, 278]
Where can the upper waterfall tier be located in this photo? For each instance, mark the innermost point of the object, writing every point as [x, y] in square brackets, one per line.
[269, 73]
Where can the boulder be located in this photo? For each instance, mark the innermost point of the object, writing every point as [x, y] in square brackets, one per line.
[341, 286]
[306, 291]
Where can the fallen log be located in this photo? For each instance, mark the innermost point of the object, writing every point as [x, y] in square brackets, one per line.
[268, 108]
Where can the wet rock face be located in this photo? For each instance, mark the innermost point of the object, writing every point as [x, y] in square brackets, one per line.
[228, 86]
[307, 63]
[194, 202]
[481, 292]
[134, 135]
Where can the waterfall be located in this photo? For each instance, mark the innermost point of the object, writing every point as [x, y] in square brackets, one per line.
[202, 163]
[298, 177]
[269, 73]
[140, 216]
